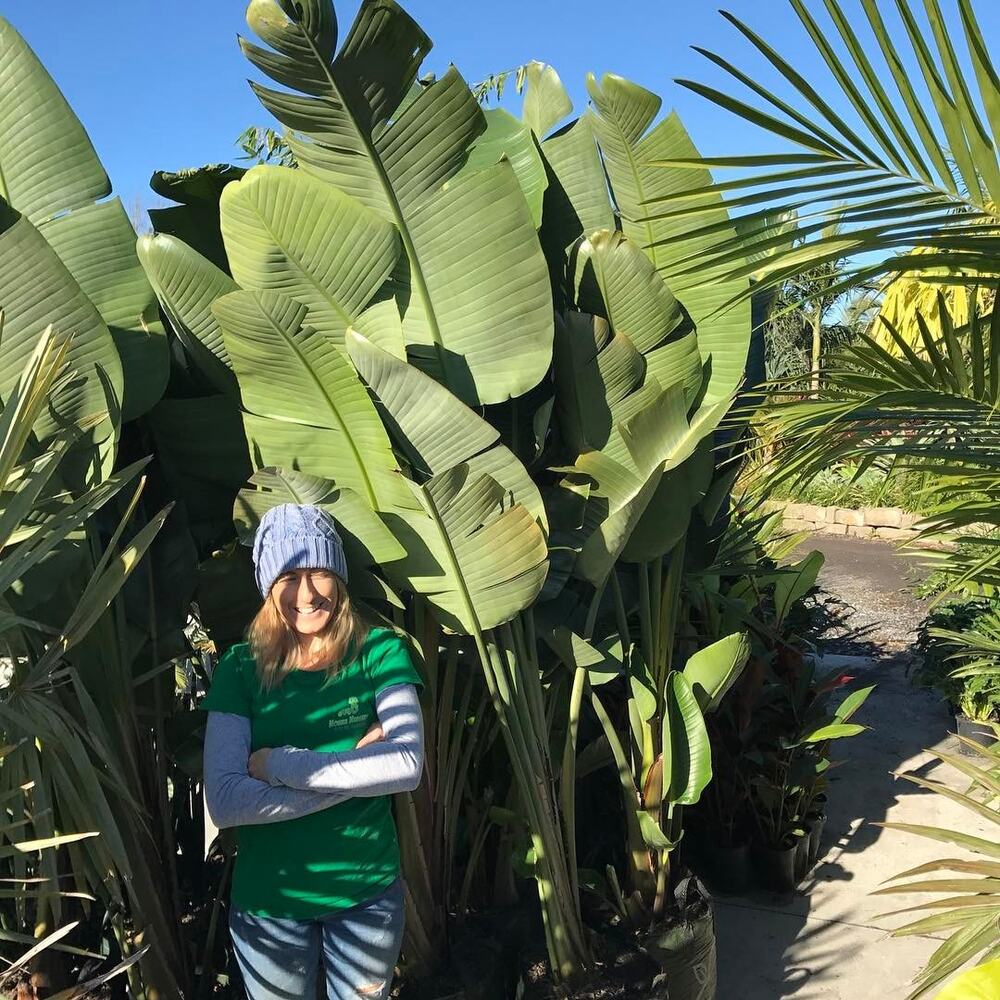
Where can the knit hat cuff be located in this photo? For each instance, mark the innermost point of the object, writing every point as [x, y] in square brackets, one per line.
[298, 552]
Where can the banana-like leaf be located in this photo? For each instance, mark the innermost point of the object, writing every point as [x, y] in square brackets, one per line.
[622, 116]
[602, 660]
[667, 516]
[289, 233]
[51, 173]
[305, 407]
[38, 292]
[576, 200]
[195, 220]
[685, 744]
[436, 429]
[660, 439]
[655, 839]
[474, 295]
[614, 278]
[187, 284]
[713, 670]
[546, 102]
[507, 138]
[475, 557]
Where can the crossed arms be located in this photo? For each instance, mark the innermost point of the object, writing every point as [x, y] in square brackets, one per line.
[273, 785]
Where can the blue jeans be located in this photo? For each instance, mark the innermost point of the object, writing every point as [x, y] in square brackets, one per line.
[280, 958]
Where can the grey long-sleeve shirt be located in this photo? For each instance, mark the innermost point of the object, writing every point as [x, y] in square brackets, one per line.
[301, 782]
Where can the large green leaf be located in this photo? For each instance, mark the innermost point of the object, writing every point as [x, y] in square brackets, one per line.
[436, 429]
[713, 670]
[474, 295]
[305, 407]
[615, 279]
[288, 232]
[97, 244]
[628, 431]
[659, 438]
[546, 102]
[478, 559]
[50, 172]
[667, 517]
[576, 200]
[195, 221]
[690, 754]
[622, 116]
[36, 291]
[49, 165]
[187, 284]
[507, 138]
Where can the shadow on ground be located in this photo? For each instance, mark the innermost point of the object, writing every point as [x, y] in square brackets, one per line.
[825, 941]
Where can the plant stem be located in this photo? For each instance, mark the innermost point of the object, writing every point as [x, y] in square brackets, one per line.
[568, 952]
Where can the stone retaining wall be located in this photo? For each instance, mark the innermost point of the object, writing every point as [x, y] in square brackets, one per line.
[887, 523]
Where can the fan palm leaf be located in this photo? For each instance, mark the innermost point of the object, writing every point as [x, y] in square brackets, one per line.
[970, 906]
[914, 164]
[933, 413]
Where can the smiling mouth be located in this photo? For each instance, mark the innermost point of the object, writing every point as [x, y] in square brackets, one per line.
[310, 610]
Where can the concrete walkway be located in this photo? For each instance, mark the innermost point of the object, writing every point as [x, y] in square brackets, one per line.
[826, 942]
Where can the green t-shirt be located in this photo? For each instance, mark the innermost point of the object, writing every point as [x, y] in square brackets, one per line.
[339, 857]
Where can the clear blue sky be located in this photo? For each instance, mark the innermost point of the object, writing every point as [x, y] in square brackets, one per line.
[161, 84]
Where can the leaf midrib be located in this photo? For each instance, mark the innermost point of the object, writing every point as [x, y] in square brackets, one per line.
[416, 272]
[455, 564]
[371, 494]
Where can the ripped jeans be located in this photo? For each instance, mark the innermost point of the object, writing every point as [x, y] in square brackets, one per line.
[280, 958]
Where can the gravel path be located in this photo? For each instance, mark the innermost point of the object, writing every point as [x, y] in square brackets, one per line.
[876, 581]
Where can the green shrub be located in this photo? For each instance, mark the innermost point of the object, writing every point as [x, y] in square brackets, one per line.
[843, 486]
[944, 640]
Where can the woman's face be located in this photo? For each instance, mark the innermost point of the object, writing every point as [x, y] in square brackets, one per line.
[306, 598]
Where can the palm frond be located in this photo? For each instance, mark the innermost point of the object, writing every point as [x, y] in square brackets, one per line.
[914, 165]
[970, 905]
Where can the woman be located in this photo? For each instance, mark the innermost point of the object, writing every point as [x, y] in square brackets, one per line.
[312, 724]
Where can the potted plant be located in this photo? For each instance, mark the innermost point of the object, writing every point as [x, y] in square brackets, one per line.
[791, 768]
[959, 644]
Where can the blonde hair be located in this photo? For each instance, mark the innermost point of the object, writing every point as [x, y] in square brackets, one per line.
[275, 647]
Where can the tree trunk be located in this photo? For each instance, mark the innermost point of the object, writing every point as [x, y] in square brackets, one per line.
[817, 347]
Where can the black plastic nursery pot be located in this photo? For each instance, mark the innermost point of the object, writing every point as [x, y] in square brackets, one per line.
[727, 869]
[775, 867]
[978, 732]
[802, 864]
[817, 822]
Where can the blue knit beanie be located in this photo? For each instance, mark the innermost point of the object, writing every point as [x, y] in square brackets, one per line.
[296, 536]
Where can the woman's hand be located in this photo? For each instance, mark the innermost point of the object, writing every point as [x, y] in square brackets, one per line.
[257, 765]
[374, 735]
